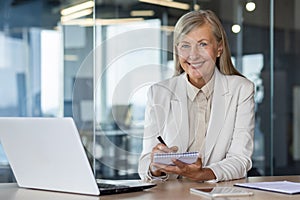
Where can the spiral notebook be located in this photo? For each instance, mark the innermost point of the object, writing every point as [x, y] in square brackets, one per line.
[166, 158]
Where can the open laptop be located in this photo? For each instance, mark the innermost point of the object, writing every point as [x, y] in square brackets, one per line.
[47, 154]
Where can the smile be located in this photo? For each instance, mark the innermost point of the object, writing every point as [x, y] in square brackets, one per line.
[196, 65]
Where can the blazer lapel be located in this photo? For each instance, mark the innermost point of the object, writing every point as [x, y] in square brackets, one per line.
[180, 115]
[220, 102]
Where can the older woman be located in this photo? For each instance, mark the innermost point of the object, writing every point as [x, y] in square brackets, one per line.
[208, 106]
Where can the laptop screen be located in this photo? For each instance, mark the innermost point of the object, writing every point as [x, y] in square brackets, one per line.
[47, 153]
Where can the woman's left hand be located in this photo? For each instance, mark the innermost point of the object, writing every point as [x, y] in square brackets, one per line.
[192, 171]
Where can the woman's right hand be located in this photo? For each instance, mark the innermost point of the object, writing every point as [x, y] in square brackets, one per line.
[160, 148]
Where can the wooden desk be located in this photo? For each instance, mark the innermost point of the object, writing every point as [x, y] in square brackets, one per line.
[177, 189]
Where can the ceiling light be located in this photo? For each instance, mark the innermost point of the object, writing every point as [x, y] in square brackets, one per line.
[172, 4]
[102, 22]
[78, 7]
[236, 28]
[80, 22]
[76, 15]
[117, 21]
[196, 7]
[135, 13]
[250, 6]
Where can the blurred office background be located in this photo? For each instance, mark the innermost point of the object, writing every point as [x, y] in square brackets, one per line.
[95, 63]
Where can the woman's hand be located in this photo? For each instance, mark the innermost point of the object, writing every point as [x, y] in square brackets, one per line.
[160, 148]
[193, 171]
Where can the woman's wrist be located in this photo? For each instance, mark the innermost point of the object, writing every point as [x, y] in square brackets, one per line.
[155, 172]
[207, 174]
[154, 175]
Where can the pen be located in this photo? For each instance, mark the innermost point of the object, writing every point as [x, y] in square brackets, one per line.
[161, 140]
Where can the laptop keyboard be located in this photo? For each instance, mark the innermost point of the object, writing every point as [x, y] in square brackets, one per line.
[106, 188]
[110, 186]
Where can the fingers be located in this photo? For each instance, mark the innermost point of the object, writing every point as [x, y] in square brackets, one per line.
[179, 164]
[161, 148]
[181, 168]
[199, 162]
[154, 170]
[178, 167]
[183, 165]
[174, 149]
[168, 169]
[191, 171]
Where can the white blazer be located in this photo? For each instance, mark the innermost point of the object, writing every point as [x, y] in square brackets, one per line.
[229, 138]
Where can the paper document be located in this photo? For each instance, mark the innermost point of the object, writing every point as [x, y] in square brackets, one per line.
[286, 187]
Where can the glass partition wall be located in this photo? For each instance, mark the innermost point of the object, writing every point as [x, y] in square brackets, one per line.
[95, 64]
